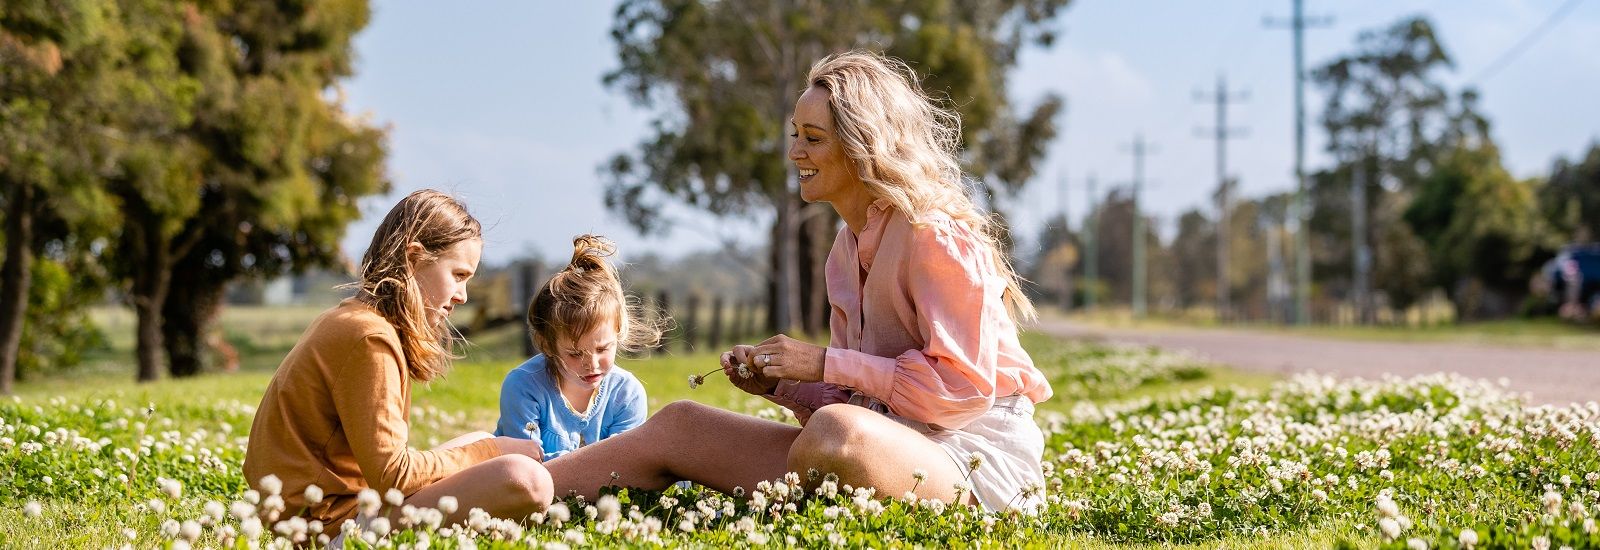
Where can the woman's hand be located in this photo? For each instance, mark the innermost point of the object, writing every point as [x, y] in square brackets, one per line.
[517, 446]
[756, 384]
[789, 359]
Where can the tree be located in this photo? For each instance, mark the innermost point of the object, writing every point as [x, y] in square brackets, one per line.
[284, 164]
[1194, 254]
[1384, 116]
[1055, 265]
[1482, 227]
[729, 73]
[82, 84]
[1570, 200]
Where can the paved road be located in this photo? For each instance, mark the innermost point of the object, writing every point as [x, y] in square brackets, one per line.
[1548, 376]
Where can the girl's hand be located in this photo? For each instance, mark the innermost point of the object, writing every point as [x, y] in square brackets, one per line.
[517, 446]
[756, 384]
[789, 359]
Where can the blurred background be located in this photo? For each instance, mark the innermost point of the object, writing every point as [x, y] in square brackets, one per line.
[183, 185]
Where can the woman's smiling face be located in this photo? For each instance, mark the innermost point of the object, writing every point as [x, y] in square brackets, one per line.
[826, 172]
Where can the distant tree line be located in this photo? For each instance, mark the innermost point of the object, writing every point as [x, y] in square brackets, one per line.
[1441, 212]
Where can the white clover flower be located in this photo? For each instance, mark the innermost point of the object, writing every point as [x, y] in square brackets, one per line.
[1387, 508]
[1468, 538]
[974, 461]
[1416, 544]
[1540, 543]
[157, 506]
[213, 511]
[313, 495]
[695, 380]
[920, 475]
[32, 509]
[242, 510]
[172, 487]
[271, 485]
[448, 504]
[394, 497]
[379, 526]
[610, 509]
[250, 528]
[1552, 502]
[368, 501]
[189, 530]
[558, 513]
[1389, 528]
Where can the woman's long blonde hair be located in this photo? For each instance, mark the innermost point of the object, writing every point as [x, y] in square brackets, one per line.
[584, 294]
[905, 148]
[388, 283]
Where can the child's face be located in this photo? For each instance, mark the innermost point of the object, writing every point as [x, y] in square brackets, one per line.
[444, 280]
[586, 360]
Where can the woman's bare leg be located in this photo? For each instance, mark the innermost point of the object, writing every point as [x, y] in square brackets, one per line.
[684, 440]
[867, 449]
[506, 486]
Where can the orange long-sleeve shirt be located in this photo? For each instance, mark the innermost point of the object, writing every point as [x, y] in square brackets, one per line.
[337, 414]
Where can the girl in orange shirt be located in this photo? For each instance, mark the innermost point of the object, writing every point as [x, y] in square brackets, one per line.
[335, 420]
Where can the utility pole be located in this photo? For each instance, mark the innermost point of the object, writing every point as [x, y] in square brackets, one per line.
[1362, 293]
[1298, 23]
[1140, 284]
[1066, 232]
[1221, 133]
[1092, 257]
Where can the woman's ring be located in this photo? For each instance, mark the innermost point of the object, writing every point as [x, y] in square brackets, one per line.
[764, 359]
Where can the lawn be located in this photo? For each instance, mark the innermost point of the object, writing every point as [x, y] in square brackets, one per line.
[1144, 447]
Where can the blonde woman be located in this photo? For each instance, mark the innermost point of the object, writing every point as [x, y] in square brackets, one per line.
[923, 386]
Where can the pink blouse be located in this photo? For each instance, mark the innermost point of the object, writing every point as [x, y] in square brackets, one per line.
[917, 323]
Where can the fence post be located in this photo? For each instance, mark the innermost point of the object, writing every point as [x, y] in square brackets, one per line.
[529, 289]
[691, 328]
[714, 338]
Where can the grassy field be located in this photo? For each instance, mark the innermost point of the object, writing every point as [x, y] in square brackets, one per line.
[1144, 448]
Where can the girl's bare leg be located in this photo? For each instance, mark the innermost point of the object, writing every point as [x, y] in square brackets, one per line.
[506, 486]
[684, 440]
[867, 449]
[464, 440]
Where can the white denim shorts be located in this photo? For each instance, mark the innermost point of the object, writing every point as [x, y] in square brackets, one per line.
[1010, 444]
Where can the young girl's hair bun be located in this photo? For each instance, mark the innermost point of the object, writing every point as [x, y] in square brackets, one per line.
[589, 253]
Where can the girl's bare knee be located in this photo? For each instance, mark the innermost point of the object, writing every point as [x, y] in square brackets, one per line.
[830, 441]
[528, 481]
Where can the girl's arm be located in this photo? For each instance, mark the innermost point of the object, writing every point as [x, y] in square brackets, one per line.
[369, 394]
[632, 406]
[519, 407]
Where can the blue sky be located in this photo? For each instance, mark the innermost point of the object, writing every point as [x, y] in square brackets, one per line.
[501, 103]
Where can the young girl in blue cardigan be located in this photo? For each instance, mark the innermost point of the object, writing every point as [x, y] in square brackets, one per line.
[574, 393]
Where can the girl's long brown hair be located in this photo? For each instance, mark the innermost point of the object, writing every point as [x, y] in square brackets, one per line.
[437, 222]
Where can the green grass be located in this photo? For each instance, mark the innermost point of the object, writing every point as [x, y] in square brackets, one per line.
[466, 399]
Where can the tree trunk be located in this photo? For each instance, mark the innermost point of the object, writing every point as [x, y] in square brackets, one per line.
[188, 316]
[150, 287]
[16, 275]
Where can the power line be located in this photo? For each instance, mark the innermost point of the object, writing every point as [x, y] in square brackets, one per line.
[1520, 46]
